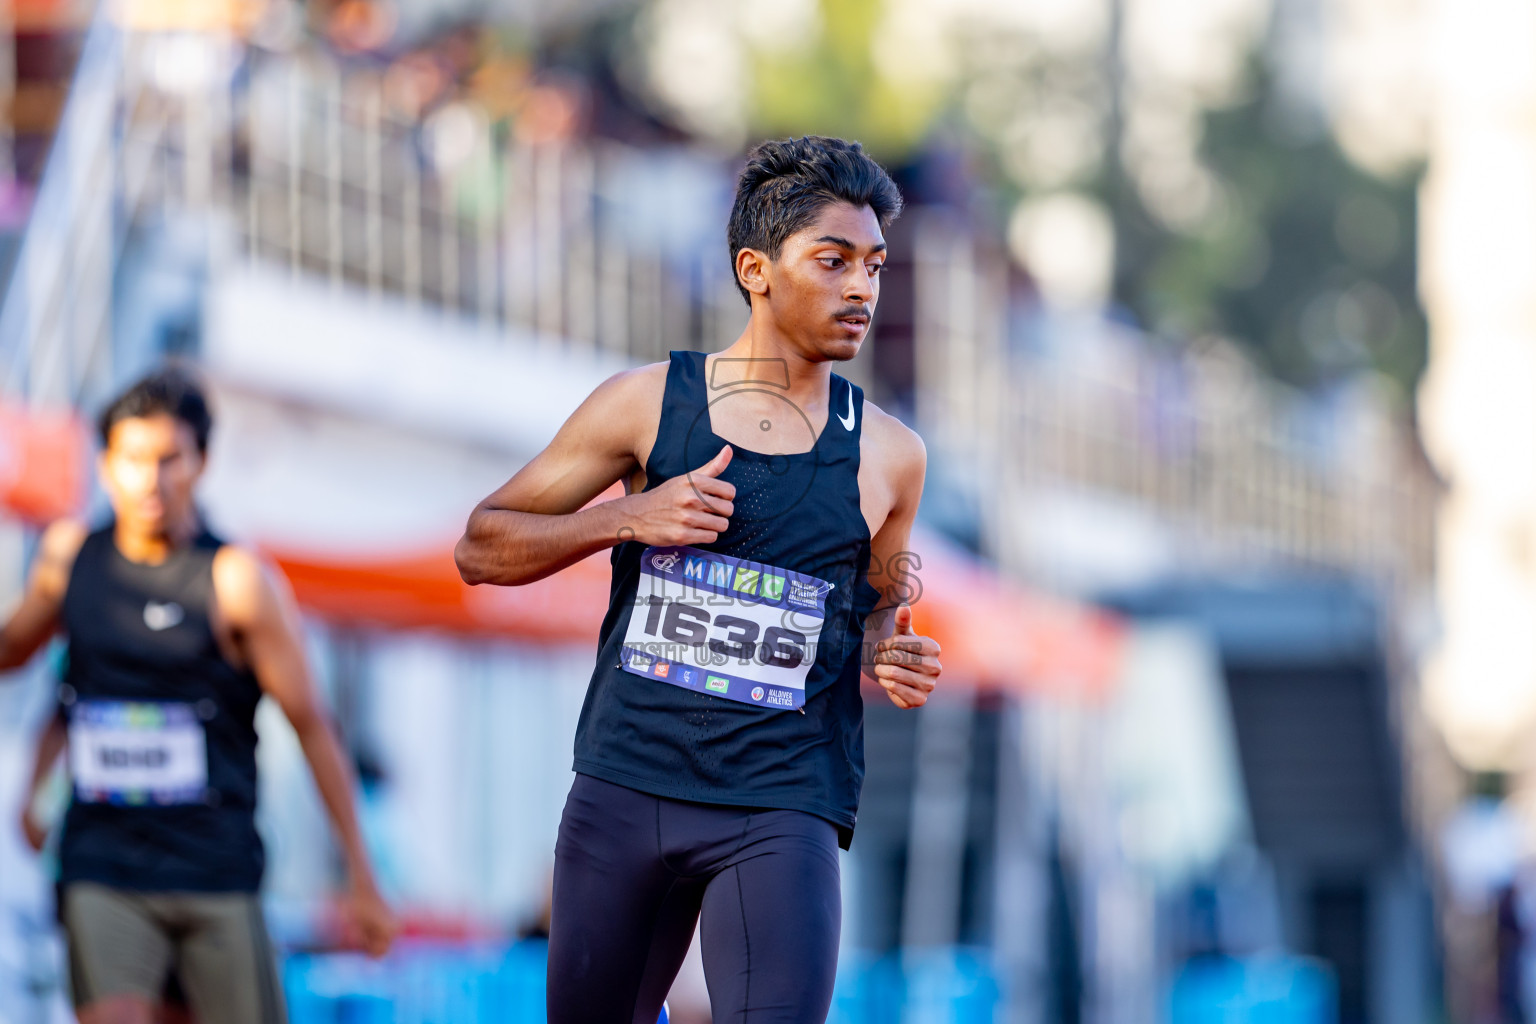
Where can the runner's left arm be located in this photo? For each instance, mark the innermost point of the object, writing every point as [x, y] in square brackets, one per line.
[49, 744]
[904, 664]
[261, 610]
[36, 619]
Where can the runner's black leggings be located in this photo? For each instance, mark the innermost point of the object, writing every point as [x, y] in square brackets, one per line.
[633, 873]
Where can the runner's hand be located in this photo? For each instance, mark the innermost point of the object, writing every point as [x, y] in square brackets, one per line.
[906, 664]
[35, 834]
[690, 509]
[372, 923]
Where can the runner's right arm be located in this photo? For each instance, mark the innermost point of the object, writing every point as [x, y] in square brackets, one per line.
[536, 524]
[259, 606]
[49, 745]
[37, 617]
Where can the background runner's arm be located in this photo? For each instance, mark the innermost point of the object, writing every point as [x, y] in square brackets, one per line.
[535, 524]
[37, 617]
[49, 744]
[260, 609]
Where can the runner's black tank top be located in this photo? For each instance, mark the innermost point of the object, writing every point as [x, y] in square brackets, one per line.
[797, 512]
[142, 651]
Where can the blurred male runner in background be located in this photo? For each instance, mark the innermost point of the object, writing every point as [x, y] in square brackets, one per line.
[720, 749]
[173, 638]
[171, 1007]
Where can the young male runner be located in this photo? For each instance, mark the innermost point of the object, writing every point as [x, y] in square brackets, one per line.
[720, 750]
[48, 746]
[174, 637]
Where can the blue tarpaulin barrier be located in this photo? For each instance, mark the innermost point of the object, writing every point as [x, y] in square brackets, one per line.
[467, 984]
[1260, 990]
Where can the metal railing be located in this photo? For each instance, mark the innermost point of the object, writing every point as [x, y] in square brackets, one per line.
[1239, 469]
[307, 167]
[53, 323]
[522, 237]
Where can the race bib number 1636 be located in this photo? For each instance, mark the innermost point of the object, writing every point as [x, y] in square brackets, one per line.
[737, 629]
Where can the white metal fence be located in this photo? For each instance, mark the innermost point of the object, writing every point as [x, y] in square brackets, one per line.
[1242, 469]
[306, 167]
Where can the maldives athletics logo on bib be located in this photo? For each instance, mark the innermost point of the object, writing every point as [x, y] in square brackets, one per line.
[757, 693]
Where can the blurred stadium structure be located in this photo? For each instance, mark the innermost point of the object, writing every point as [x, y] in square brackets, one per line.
[301, 167]
[1182, 765]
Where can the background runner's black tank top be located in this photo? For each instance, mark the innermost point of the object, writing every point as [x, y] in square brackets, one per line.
[798, 512]
[140, 634]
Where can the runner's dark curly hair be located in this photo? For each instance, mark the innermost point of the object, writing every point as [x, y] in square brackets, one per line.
[172, 392]
[785, 183]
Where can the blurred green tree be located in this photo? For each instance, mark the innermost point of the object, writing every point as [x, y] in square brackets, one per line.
[1307, 259]
[832, 84]
[1299, 255]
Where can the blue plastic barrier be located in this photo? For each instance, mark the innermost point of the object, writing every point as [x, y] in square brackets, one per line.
[1260, 990]
[418, 984]
[458, 984]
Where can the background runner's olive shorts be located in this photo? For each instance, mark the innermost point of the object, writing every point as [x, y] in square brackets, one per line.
[123, 942]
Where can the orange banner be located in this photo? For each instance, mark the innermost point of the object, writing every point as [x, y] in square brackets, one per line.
[42, 463]
[993, 634]
[237, 16]
[424, 591]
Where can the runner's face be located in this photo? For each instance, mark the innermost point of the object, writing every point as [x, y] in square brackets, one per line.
[149, 470]
[826, 281]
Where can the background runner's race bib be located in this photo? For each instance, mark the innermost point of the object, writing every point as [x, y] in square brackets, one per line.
[133, 753]
[737, 629]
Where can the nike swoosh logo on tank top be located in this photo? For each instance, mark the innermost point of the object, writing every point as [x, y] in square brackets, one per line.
[163, 615]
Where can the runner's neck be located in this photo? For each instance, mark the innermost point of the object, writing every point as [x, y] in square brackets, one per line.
[752, 360]
[150, 548]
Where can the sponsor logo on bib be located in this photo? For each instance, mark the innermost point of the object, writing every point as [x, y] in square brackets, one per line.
[755, 581]
[666, 562]
[806, 595]
[717, 684]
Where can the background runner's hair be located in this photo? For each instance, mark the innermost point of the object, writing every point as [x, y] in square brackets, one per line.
[786, 182]
[171, 391]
